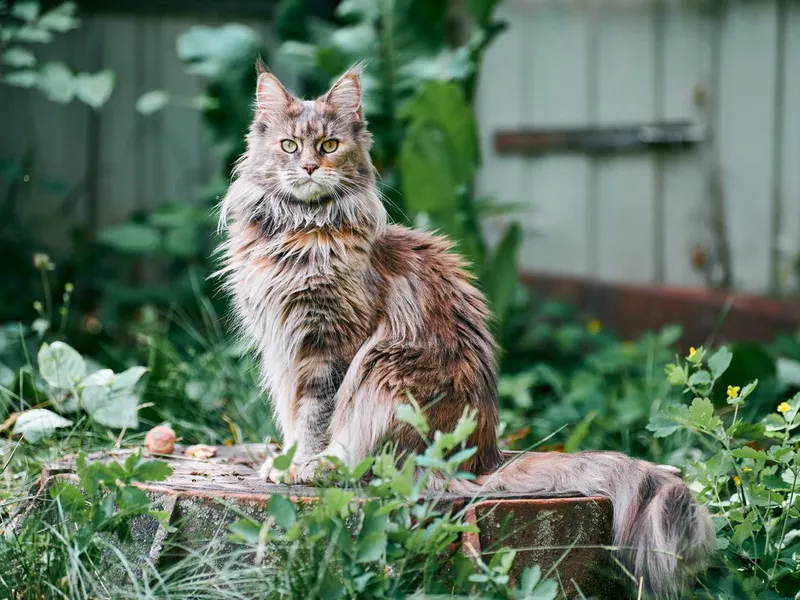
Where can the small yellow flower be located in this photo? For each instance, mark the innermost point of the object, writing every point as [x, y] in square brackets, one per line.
[784, 407]
[593, 326]
[736, 480]
[746, 469]
[733, 391]
[692, 351]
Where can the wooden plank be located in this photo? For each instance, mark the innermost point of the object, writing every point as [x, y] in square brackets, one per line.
[685, 214]
[746, 107]
[556, 50]
[118, 175]
[76, 169]
[499, 104]
[789, 235]
[181, 126]
[150, 144]
[625, 209]
[47, 129]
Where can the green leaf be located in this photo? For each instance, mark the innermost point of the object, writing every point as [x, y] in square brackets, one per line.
[94, 89]
[56, 82]
[24, 78]
[676, 374]
[459, 457]
[700, 377]
[747, 452]
[701, 414]
[747, 431]
[102, 377]
[134, 500]
[128, 378]
[246, 530]
[337, 500]
[61, 18]
[132, 238]
[33, 34]
[669, 334]
[152, 470]
[153, 101]
[212, 51]
[361, 468]
[37, 423]
[27, 11]
[720, 362]
[412, 415]
[283, 511]
[501, 275]
[118, 409]
[72, 500]
[60, 365]
[18, 57]
[284, 461]
[183, 242]
[428, 181]
[579, 433]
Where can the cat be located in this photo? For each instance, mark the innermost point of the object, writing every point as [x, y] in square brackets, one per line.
[348, 313]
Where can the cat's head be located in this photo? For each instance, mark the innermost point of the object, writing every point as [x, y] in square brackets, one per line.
[312, 151]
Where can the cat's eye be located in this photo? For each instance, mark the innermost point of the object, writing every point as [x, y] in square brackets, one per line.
[289, 146]
[329, 146]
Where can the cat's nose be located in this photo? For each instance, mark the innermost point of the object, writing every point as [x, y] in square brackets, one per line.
[310, 167]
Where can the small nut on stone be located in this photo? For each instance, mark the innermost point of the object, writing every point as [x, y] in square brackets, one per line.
[200, 451]
[160, 440]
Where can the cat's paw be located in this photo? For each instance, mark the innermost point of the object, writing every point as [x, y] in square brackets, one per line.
[308, 471]
[267, 472]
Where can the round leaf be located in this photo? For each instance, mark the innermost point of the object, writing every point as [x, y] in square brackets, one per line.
[56, 82]
[131, 237]
[24, 78]
[60, 365]
[18, 57]
[152, 102]
[39, 422]
[94, 89]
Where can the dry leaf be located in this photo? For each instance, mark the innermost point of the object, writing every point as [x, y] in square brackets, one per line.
[200, 451]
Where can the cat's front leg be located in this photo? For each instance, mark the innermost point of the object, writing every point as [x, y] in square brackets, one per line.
[310, 414]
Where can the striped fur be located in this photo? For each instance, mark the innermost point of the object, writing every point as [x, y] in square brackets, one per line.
[348, 314]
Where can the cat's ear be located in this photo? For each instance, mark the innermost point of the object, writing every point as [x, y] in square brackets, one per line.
[271, 97]
[345, 94]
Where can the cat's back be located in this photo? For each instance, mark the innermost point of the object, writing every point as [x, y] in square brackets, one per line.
[425, 266]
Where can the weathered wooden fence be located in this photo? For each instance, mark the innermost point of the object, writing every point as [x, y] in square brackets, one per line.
[95, 167]
[732, 67]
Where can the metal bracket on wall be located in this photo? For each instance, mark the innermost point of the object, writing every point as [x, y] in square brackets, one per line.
[600, 139]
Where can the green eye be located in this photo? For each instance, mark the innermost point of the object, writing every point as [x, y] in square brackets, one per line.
[329, 146]
[289, 146]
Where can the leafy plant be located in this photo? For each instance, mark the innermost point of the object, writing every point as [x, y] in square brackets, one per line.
[384, 540]
[108, 398]
[53, 553]
[27, 24]
[749, 479]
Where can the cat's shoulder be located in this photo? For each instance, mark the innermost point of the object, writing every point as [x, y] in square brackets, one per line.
[402, 249]
[405, 239]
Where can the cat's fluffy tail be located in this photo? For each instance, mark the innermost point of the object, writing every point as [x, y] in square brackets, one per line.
[664, 536]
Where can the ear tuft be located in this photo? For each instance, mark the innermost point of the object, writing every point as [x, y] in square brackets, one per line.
[345, 94]
[271, 97]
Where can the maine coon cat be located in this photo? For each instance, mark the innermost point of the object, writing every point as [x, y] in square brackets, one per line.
[348, 313]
